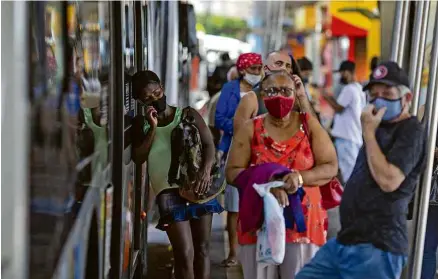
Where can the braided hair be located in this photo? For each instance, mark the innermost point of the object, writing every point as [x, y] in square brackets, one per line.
[141, 79]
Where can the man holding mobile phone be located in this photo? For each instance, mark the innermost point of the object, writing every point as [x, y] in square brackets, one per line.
[373, 241]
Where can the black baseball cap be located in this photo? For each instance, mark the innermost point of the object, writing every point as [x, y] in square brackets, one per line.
[305, 64]
[347, 65]
[388, 73]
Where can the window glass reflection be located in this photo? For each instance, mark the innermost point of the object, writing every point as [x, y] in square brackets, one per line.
[428, 52]
[90, 39]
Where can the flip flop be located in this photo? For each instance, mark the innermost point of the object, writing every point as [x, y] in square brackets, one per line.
[229, 263]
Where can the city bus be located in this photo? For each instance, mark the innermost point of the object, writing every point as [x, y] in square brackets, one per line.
[73, 202]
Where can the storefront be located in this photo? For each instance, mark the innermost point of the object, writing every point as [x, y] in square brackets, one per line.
[355, 29]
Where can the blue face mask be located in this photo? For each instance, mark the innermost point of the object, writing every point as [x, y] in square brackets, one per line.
[393, 107]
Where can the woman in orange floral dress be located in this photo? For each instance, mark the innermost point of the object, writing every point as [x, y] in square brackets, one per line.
[279, 137]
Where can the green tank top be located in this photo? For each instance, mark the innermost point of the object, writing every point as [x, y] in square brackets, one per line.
[100, 142]
[160, 155]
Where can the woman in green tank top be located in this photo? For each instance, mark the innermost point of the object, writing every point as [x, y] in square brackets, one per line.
[187, 225]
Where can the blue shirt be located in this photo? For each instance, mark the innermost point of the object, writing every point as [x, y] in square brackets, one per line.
[225, 110]
[370, 215]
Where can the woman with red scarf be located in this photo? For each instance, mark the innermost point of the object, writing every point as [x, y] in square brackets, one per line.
[249, 66]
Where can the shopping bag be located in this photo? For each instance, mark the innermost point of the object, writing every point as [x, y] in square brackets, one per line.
[271, 237]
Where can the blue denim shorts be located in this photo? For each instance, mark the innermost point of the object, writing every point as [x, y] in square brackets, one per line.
[361, 261]
[173, 208]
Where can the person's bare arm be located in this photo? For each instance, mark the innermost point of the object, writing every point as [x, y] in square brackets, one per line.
[306, 106]
[387, 175]
[246, 110]
[326, 163]
[334, 104]
[421, 111]
[303, 101]
[142, 143]
[240, 152]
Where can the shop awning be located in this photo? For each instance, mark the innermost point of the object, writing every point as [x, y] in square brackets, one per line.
[343, 28]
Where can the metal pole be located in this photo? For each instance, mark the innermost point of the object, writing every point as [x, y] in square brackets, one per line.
[432, 111]
[116, 130]
[151, 34]
[171, 80]
[403, 31]
[279, 37]
[267, 28]
[418, 45]
[15, 114]
[416, 66]
[396, 32]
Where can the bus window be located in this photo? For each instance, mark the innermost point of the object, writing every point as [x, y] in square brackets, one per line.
[427, 54]
[145, 38]
[128, 43]
[91, 60]
[52, 153]
[88, 29]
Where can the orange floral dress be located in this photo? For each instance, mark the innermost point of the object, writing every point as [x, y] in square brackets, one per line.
[294, 153]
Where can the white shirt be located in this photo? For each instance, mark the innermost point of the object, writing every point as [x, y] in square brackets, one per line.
[243, 94]
[347, 123]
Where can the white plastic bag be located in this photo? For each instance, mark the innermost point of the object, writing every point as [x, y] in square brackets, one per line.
[271, 238]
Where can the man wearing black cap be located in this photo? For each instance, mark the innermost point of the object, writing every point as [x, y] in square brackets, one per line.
[347, 128]
[373, 241]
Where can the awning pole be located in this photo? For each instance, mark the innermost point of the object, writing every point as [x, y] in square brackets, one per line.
[432, 111]
[417, 50]
[399, 31]
[416, 59]
[396, 31]
[404, 28]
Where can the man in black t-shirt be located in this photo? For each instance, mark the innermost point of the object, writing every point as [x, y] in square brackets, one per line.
[373, 241]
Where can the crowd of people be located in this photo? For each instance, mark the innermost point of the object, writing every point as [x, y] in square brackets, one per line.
[264, 117]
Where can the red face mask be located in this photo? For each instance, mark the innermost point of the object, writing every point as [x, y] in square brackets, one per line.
[279, 106]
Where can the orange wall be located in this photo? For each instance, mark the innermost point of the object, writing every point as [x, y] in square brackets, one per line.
[360, 56]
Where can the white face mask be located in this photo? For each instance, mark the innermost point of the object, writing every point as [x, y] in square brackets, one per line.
[252, 79]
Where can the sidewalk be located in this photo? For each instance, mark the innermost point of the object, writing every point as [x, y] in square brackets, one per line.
[160, 258]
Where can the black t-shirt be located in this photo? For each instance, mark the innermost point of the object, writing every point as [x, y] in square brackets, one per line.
[370, 215]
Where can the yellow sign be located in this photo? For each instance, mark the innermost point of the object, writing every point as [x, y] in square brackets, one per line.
[356, 13]
[362, 14]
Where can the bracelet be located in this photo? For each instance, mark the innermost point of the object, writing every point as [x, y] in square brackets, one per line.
[146, 127]
[300, 179]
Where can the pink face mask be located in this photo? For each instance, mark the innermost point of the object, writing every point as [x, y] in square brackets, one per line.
[279, 106]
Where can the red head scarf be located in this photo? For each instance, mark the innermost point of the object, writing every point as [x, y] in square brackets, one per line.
[246, 60]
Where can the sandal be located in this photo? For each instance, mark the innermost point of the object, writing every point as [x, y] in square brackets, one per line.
[229, 263]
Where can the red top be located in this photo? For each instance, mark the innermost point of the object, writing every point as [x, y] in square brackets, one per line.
[295, 154]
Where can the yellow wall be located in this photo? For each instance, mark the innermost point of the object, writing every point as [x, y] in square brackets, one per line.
[360, 21]
[305, 18]
[373, 41]
[353, 18]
